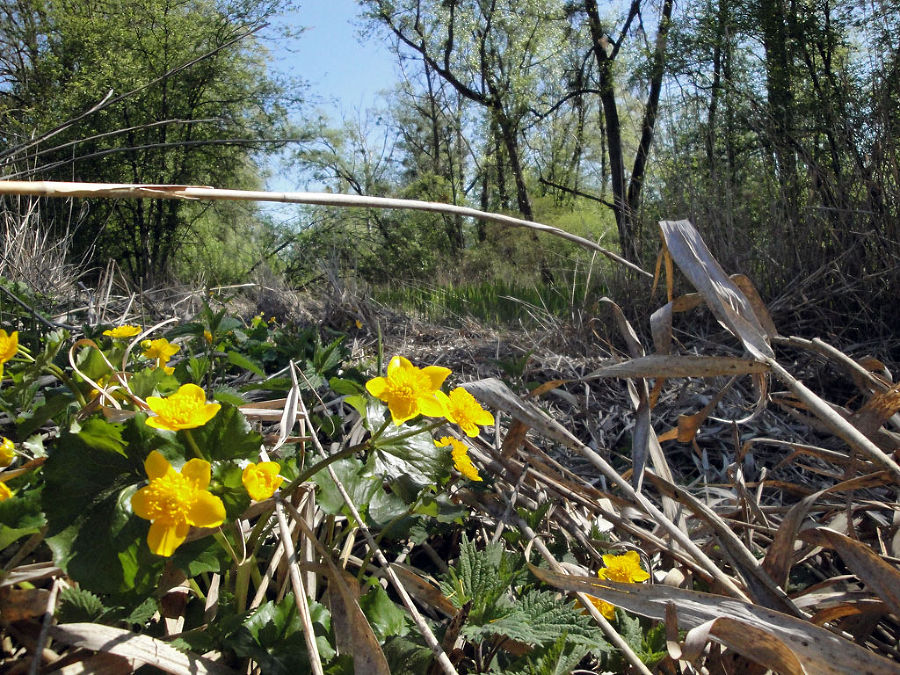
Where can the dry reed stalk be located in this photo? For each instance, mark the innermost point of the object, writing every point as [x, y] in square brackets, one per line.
[193, 192]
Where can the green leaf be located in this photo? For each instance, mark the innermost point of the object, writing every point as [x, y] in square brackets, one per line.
[98, 433]
[226, 436]
[86, 499]
[384, 616]
[229, 487]
[20, 516]
[200, 557]
[404, 655]
[359, 482]
[272, 636]
[559, 658]
[153, 382]
[241, 361]
[539, 618]
[79, 605]
[416, 457]
[52, 407]
[358, 403]
[229, 395]
[344, 387]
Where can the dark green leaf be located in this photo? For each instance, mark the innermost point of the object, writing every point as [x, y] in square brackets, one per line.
[386, 618]
[226, 436]
[79, 605]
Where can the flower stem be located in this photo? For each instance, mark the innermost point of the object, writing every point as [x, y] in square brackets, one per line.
[409, 434]
[192, 442]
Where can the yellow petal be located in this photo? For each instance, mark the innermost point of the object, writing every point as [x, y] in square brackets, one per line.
[402, 410]
[437, 375]
[159, 423]
[197, 470]
[207, 511]
[398, 363]
[164, 539]
[376, 386]
[430, 406]
[191, 391]
[140, 503]
[156, 465]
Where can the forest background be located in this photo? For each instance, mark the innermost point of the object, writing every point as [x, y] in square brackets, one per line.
[770, 124]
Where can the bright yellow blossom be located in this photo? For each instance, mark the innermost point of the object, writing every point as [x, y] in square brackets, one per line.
[174, 501]
[9, 346]
[185, 409]
[122, 332]
[160, 349]
[7, 452]
[461, 408]
[625, 569]
[460, 455]
[208, 336]
[5, 492]
[409, 391]
[261, 480]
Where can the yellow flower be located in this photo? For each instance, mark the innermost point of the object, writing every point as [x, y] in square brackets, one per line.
[261, 480]
[174, 501]
[125, 331]
[461, 408]
[185, 409]
[624, 568]
[409, 391]
[208, 337]
[9, 346]
[5, 492]
[160, 349]
[7, 452]
[460, 455]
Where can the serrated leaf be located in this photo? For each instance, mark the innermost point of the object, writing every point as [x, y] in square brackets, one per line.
[79, 605]
[560, 658]
[226, 436]
[539, 618]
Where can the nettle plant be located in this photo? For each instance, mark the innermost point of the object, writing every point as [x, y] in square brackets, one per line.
[144, 470]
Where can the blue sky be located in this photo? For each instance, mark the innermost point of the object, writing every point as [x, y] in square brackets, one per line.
[341, 68]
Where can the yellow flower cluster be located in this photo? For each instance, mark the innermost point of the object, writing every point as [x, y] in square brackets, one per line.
[410, 391]
[625, 569]
[9, 347]
[460, 455]
[162, 350]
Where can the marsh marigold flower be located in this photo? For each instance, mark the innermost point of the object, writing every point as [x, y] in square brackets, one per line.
[261, 480]
[208, 336]
[7, 452]
[625, 569]
[5, 492]
[121, 332]
[160, 349]
[185, 409]
[409, 391]
[9, 346]
[174, 501]
[461, 408]
[460, 455]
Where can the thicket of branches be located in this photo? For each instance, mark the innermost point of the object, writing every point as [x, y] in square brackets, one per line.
[769, 125]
